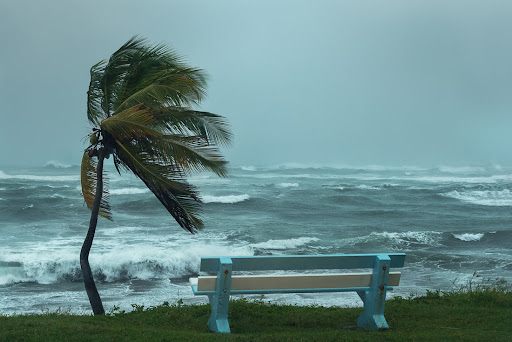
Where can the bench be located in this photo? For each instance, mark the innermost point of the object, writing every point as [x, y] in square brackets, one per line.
[371, 286]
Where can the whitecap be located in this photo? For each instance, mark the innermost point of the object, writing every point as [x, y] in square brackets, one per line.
[226, 199]
[498, 198]
[128, 191]
[248, 168]
[409, 238]
[284, 244]
[367, 187]
[469, 236]
[288, 185]
[68, 178]
[57, 165]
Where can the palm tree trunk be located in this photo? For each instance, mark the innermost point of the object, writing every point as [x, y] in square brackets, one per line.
[90, 286]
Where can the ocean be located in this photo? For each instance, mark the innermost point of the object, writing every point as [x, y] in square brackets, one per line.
[455, 224]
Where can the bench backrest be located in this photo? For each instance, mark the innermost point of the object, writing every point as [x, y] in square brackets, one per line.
[301, 262]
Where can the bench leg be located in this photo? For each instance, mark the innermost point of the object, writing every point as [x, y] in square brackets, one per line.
[219, 301]
[372, 317]
[218, 321]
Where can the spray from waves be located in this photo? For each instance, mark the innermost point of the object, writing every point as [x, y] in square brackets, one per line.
[53, 164]
[498, 198]
[226, 199]
[469, 237]
[284, 244]
[67, 178]
[142, 261]
[461, 169]
[128, 191]
[288, 185]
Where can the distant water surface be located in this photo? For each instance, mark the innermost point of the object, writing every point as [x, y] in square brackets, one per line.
[453, 223]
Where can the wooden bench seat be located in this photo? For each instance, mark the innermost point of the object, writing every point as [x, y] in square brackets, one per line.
[291, 283]
[370, 286]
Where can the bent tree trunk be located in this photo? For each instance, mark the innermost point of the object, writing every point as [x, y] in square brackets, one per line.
[90, 286]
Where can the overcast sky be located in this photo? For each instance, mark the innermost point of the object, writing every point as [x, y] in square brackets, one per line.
[327, 82]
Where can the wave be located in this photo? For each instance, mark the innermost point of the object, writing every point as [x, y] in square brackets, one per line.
[53, 164]
[319, 166]
[128, 191]
[226, 199]
[67, 178]
[368, 187]
[143, 262]
[56, 195]
[288, 185]
[284, 244]
[248, 168]
[401, 239]
[469, 236]
[498, 198]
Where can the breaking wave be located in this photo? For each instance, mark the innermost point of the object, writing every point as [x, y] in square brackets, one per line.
[499, 198]
[226, 199]
[469, 236]
[284, 244]
[117, 264]
[402, 239]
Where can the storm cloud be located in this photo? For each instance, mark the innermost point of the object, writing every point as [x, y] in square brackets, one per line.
[326, 82]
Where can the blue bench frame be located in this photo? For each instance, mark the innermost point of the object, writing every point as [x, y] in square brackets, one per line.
[372, 296]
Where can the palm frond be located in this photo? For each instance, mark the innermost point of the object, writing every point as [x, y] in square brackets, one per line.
[175, 85]
[212, 127]
[88, 182]
[188, 152]
[95, 94]
[167, 184]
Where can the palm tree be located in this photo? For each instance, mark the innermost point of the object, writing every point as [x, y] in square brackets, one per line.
[139, 104]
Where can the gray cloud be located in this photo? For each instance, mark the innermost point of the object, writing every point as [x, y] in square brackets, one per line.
[354, 82]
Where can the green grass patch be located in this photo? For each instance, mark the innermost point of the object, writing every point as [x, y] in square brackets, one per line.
[482, 315]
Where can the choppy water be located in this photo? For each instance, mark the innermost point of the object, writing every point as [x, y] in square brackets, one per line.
[451, 222]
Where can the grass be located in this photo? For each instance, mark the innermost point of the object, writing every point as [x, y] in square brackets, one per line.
[475, 315]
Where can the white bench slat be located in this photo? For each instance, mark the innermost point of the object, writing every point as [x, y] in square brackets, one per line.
[294, 281]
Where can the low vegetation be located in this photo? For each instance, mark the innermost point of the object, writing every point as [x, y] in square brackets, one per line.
[475, 314]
